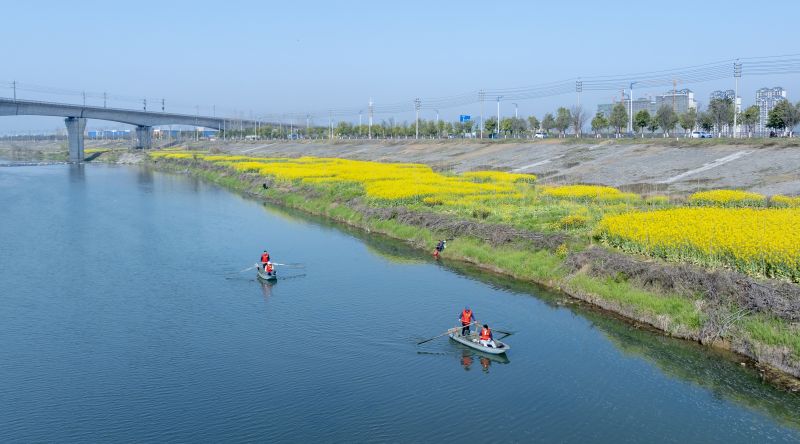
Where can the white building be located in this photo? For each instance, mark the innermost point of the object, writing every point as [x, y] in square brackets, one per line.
[766, 99]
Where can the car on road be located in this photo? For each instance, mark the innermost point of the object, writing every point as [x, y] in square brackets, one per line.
[540, 135]
[701, 135]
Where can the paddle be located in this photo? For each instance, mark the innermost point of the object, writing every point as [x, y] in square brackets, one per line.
[246, 269]
[290, 265]
[449, 330]
[438, 336]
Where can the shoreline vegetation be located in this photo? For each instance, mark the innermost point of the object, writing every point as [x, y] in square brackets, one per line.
[562, 241]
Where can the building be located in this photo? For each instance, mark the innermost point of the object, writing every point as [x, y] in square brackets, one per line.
[766, 99]
[680, 101]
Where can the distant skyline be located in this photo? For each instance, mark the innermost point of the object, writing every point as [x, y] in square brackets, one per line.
[264, 58]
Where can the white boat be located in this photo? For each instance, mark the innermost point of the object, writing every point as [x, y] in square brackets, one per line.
[472, 341]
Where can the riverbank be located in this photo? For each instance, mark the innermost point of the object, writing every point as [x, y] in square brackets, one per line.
[680, 300]
[645, 166]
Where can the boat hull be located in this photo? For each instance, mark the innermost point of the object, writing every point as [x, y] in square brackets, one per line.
[472, 342]
[265, 277]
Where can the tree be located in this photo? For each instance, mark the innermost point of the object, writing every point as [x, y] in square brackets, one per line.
[688, 120]
[578, 119]
[640, 121]
[618, 118]
[548, 123]
[750, 117]
[706, 121]
[563, 119]
[490, 125]
[721, 111]
[505, 125]
[468, 127]
[533, 122]
[784, 116]
[652, 125]
[599, 123]
[667, 119]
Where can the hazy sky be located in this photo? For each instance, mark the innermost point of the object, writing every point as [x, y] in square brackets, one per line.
[294, 56]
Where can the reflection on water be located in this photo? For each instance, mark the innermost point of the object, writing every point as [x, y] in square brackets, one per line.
[266, 287]
[77, 173]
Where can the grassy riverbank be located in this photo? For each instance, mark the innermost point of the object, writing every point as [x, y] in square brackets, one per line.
[568, 262]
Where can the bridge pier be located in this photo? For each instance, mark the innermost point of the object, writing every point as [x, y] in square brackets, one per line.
[144, 137]
[75, 128]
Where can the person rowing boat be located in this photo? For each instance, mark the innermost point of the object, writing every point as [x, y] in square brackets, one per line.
[467, 318]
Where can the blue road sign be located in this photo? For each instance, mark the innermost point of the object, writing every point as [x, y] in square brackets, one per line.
[464, 118]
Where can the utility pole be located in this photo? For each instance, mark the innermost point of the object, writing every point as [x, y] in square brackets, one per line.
[579, 90]
[104, 99]
[481, 96]
[369, 130]
[417, 105]
[14, 85]
[516, 111]
[162, 105]
[330, 124]
[497, 125]
[308, 124]
[144, 102]
[630, 117]
[84, 98]
[674, 91]
[737, 72]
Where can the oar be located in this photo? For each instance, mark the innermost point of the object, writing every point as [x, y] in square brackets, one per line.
[507, 333]
[449, 330]
[246, 269]
[290, 265]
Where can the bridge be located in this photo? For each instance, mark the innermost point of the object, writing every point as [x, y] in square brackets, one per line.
[76, 115]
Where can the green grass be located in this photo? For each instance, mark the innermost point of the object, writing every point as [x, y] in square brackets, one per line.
[773, 332]
[680, 310]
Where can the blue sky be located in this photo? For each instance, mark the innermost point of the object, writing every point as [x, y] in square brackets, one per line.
[275, 57]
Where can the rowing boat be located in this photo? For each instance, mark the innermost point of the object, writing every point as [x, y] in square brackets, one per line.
[264, 276]
[472, 341]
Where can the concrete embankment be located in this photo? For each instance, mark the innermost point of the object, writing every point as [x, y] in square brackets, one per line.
[664, 166]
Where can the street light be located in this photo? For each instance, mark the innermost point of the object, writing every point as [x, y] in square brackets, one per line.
[630, 117]
[516, 111]
[497, 128]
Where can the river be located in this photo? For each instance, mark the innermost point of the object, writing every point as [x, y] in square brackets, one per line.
[124, 318]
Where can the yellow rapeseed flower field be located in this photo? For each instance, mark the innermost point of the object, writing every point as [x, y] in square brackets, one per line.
[588, 192]
[785, 201]
[756, 241]
[727, 198]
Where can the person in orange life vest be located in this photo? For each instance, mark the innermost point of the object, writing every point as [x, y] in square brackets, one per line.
[467, 317]
[486, 337]
[269, 268]
[264, 258]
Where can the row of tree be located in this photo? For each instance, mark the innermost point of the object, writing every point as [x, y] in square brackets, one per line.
[718, 117]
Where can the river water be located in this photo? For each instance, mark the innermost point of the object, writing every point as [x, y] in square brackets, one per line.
[123, 318]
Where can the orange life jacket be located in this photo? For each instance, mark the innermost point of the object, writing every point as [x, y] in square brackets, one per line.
[269, 268]
[486, 334]
[466, 317]
[265, 257]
